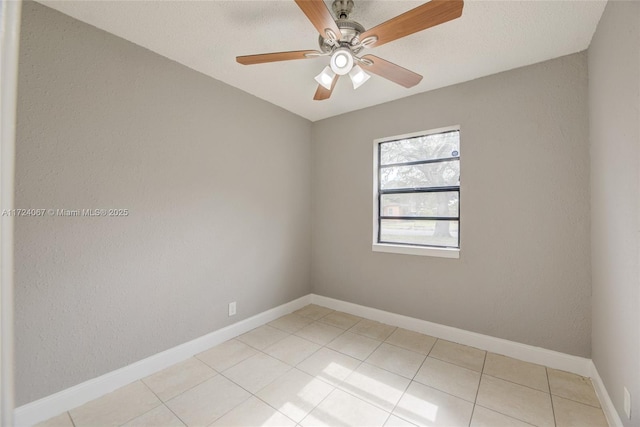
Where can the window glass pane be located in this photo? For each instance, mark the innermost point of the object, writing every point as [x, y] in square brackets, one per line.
[427, 147]
[439, 174]
[442, 204]
[419, 232]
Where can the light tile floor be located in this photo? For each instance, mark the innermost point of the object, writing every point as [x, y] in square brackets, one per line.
[318, 367]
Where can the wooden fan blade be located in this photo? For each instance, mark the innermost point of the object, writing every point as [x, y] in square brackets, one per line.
[319, 16]
[391, 71]
[322, 93]
[422, 17]
[274, 57]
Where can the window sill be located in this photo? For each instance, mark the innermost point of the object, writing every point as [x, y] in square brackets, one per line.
[414, 250]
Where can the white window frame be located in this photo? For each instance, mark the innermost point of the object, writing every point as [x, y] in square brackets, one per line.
[398, 248]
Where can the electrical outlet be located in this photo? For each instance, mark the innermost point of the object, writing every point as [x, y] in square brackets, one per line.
[232, 308]
[627, 403]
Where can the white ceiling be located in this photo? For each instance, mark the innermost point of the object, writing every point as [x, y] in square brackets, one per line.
[491, 36]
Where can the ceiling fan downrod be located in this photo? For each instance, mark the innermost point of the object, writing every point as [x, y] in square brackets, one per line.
[342, 8]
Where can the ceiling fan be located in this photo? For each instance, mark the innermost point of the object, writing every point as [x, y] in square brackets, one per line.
[344, 39]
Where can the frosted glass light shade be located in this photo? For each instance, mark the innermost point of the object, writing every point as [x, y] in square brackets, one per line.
[358, 76]
[325, 78]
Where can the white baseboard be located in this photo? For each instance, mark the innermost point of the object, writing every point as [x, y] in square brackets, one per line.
[553, 359]
[50, 406]
[605, 400]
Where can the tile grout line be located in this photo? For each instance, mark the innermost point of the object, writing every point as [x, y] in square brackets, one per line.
[384, 369]
[361, 361]
[453, 363]
[536, 389]
[444, 361]
[553, 410]
[546, 372]
[249, 391]
[508, 416]
[219, 372]
[577, 401]
[252, 394]
[274, 408]
[335, 387]
[481, 373]
[289, 332]
[176, 415]
[511, 382]
[292, 367]
[162, 403]
[475, 401]
[70, 418]
[231, 409]
[216, 373]
[411, 380]
[403, 348]
[573, 400]
[299, 370]
[515, 383]
[364, 335]
[256, 348]
[342, 331]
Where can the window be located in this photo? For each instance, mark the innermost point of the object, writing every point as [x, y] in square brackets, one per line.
[417, 193]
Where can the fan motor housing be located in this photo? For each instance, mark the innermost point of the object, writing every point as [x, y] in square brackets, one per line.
[350, 30]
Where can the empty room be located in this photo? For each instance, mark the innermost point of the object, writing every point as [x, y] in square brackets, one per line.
[320, 213]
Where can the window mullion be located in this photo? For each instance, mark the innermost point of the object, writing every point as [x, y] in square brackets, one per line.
[421, 162]
[452, 188]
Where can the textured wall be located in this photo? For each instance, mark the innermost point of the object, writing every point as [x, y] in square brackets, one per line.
[524, 267]
[217, 184]
[614, 118]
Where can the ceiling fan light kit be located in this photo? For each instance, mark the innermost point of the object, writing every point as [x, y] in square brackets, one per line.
[343, 39]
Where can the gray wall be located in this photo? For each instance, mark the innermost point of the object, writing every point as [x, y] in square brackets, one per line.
[614, 117]
[524, 267]
[217, 185]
